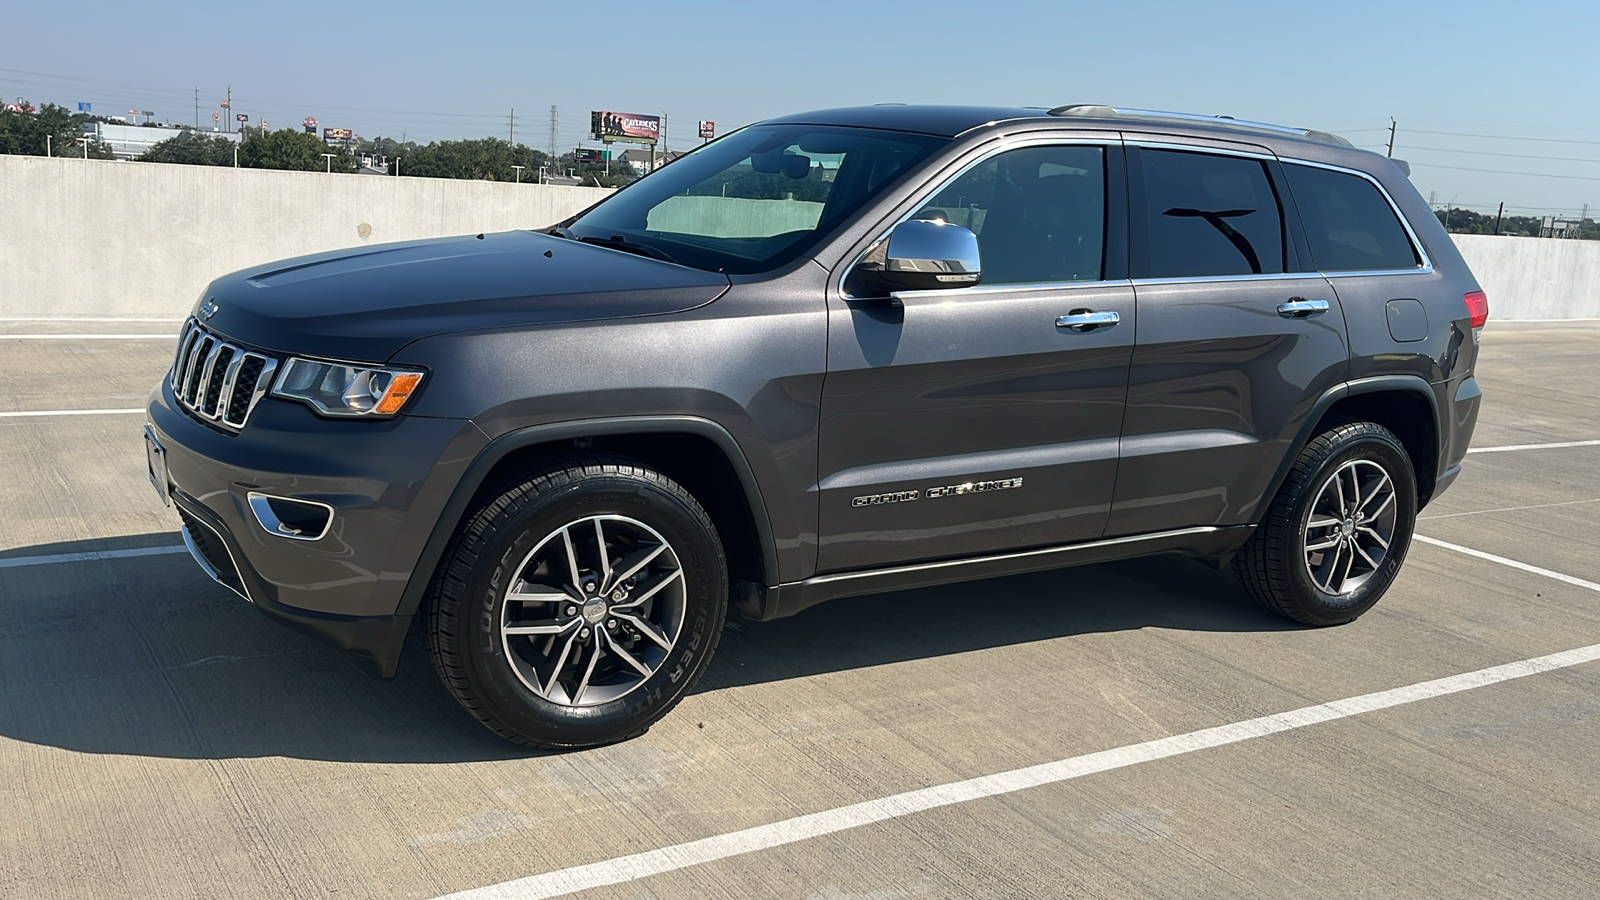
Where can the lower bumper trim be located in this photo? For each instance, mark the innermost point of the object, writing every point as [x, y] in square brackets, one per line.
[372, 643]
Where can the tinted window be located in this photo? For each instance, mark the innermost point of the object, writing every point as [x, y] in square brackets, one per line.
[756, 199]
[1039, 213]
[1349, 223]
[1210, 215]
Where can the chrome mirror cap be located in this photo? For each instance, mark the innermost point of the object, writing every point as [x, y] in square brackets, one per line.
[923, 254]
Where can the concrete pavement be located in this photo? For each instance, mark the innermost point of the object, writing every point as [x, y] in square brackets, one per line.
[158, 738]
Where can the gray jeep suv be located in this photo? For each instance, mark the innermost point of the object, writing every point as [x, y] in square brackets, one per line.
[831, 354]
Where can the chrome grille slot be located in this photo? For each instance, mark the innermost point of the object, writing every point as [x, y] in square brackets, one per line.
[218, 382]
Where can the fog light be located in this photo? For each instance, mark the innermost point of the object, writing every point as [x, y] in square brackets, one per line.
[298, 520]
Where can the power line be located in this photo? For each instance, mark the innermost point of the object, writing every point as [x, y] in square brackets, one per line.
[1506, 137]
[1503, 172]
[1508, 155]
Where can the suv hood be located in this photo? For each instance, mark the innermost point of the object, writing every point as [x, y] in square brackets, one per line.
[363, 305]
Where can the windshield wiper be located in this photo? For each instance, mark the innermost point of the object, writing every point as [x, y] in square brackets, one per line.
[618, 242]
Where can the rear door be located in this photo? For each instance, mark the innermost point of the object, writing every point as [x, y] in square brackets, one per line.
[1234, 347]
[962, 422]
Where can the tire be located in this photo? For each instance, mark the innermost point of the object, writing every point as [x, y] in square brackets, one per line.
[1322, 556]
[542, 626]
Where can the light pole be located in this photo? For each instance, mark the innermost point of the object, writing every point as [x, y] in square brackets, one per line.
[328, 158]
[85, 142]
[519, 173]
[397, 165]
[47, 152]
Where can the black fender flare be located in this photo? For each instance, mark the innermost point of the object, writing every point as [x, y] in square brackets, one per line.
[501, 447]
[1371, 385]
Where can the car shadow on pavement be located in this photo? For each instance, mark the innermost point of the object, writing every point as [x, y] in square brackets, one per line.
[1157, 592]
[144, 656]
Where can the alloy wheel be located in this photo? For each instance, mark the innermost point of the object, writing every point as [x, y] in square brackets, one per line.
[593, 610]
[1350, 527]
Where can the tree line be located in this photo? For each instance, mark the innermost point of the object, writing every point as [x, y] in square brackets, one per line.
[1465, 221]
[483, 159]
[50, 129]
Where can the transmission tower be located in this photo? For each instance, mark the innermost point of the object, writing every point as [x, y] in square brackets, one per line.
[555, 122]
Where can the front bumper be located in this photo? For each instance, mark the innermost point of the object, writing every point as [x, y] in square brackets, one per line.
[385, 482]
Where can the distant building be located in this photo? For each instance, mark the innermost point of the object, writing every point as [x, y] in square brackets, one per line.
[641, 159]
[129, 141]
[1565, 229]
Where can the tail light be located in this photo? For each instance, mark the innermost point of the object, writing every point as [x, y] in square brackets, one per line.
[1477, 308]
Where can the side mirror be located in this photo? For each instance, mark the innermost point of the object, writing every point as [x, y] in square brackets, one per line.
[922, 255]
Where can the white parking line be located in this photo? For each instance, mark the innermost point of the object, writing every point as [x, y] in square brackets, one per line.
[153, 336]
[790, 831]
[20, 561]
[1501, 509]
[31, 413]
[87, 319]
[1508, 562]
[1549, 446]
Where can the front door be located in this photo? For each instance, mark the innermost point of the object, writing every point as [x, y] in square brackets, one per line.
[962, 422]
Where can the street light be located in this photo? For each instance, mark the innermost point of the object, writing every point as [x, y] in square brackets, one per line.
[329, 158]
[519, 173]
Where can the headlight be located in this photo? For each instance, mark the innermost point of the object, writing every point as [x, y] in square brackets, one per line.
[344, 389]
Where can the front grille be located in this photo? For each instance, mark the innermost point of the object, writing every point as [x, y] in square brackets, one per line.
[218, 382]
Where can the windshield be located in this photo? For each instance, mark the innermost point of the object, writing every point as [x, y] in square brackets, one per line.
[756, 199]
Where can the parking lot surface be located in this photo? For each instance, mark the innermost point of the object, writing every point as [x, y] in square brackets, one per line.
[159, 738]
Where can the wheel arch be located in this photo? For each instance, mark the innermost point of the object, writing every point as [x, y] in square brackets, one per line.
[1404, 404]
[677, 446]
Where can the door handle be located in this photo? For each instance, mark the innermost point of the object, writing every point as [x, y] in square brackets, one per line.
[1082, 320]
[1301, 308]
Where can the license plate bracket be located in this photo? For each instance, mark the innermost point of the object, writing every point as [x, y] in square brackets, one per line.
[156, 461]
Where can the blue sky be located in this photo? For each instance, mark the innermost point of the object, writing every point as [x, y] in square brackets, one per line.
[1464, 71]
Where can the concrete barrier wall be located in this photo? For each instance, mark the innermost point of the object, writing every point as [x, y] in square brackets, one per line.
[1534, 278]
[87, 238]
[99, 238]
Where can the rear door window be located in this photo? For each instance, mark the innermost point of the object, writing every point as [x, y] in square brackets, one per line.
[1349, 223]
[1209, 215]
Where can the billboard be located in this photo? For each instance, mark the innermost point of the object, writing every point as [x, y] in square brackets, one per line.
[310, 125]
[336, 134]
[585, 154]
[631, 127]
[708, 129]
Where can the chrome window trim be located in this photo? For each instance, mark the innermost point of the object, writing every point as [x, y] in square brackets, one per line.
[1211, 279]
[1184, 147]
[1426, 266]
[1004, 145]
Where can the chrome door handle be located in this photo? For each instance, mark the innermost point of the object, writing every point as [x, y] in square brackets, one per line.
[1082, 320]
[1300, 308]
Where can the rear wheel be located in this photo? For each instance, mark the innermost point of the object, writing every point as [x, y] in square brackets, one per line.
[1336, 534]
[579, 606]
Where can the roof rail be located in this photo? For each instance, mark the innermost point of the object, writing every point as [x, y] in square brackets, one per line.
[1100, 111]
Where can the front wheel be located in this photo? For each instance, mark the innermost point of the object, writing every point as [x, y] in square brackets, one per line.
[578, 607]
[1338, 530]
